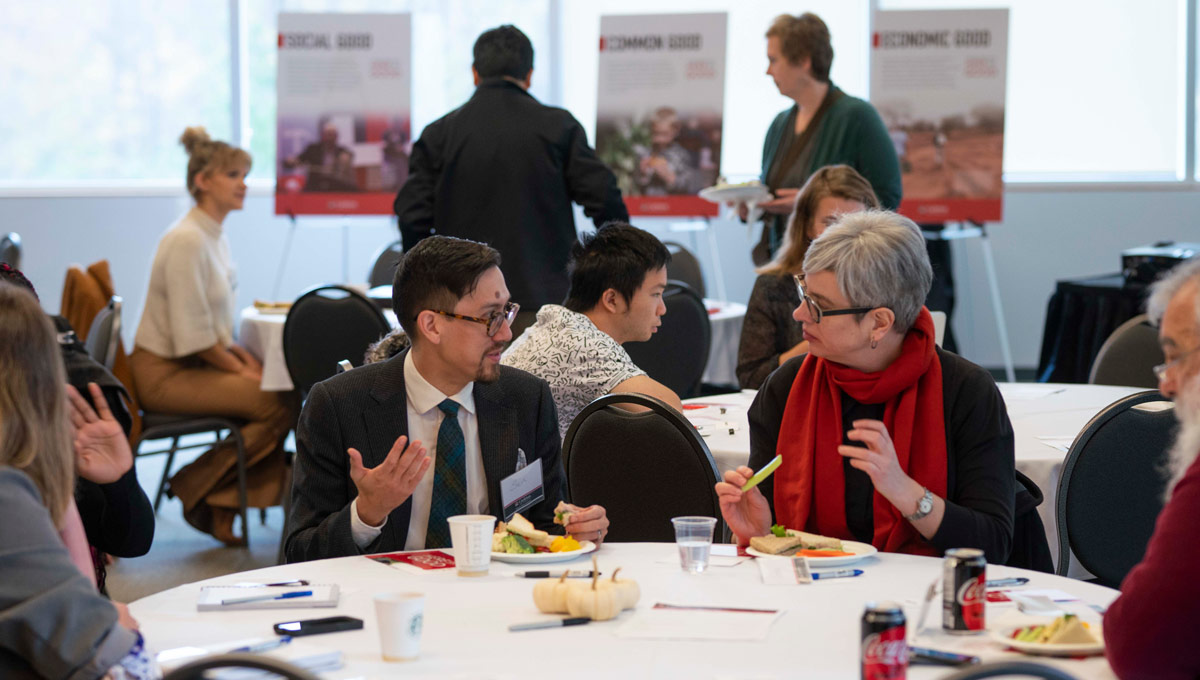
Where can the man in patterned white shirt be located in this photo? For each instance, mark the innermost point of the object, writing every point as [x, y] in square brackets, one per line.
[617, 276]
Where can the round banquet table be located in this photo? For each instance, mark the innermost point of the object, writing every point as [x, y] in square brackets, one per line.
[1045, 419]
[465, 633]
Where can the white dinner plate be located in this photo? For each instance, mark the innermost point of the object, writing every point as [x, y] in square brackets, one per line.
[1004, 637]
[545, 557]
[272, 310]
[735, 193]
[860, 550]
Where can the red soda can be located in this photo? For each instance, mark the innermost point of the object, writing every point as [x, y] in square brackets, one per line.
[964, 591]
[884, 644]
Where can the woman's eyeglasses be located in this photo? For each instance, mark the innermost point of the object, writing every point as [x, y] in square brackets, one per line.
[815, 311]
[493, 321]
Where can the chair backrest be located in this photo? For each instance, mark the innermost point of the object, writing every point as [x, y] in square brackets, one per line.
[676, 474]
[1111, 488]
[677, 354]
[685, 267]
[384, 269]
[198, 670]
[10, 250]
[325, 325]
[102, 337]
[996, 669]
[1128, 356]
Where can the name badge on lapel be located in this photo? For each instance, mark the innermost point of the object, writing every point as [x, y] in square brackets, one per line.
[522, 489]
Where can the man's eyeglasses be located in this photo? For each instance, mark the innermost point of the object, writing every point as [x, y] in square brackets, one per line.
[493, 321]
[815, 311]
[1160, 371]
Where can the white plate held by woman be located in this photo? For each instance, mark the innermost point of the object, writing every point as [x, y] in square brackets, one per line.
[860, 550]
[585, 547]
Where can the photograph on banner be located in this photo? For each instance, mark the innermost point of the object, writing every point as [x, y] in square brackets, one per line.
[938, 81]
[344, 128]
[659, 109]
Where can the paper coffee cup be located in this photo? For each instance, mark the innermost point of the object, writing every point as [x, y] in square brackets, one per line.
[400, 617]
[471, 538]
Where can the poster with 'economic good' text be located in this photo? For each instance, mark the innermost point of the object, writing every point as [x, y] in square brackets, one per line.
[938, 79]
[660, 107]
[343, 130]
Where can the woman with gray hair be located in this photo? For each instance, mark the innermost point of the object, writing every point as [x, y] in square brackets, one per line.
[885, 438]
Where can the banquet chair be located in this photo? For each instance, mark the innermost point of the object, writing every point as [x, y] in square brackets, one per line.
[1128, 356]
[325, 325]
[10, 250]
[1110, 492]
[269, 667]
[677, 354]
[685, 267]
[995, 669]
[1030, 547]
[676, 472]
[384, 268]
[101, 342]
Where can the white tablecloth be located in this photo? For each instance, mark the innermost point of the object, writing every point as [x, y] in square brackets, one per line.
[465, 626]
[726, 319]
[262, 335]
[1042, 414]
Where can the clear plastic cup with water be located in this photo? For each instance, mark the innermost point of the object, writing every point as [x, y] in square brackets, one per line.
[694, 536]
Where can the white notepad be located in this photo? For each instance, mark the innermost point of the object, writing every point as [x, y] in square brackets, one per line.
[211, 597]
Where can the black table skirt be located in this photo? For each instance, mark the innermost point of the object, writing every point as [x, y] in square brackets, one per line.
[1081, 315]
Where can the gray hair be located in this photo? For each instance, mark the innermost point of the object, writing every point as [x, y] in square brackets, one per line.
[1165, 288]
[880, 260]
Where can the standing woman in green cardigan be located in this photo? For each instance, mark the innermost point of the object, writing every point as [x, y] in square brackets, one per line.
[825, 126]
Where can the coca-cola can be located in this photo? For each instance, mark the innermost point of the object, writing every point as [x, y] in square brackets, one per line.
[964, 591]
[884, 644]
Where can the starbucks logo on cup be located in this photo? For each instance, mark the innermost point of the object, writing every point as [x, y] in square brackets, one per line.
[414, 626]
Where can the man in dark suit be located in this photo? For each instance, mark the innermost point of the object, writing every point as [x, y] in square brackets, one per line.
[505, 155]
[363, 481]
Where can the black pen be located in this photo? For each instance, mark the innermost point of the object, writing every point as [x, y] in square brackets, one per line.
[1001, 582]
[551, 574]
[555, 623]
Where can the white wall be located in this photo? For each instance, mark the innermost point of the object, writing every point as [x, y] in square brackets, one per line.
[1047, 235]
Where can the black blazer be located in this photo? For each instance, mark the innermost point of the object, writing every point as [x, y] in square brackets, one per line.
[503, 169]
[367, 409]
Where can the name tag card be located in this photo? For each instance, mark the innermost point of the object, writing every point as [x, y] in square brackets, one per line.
[522, 489]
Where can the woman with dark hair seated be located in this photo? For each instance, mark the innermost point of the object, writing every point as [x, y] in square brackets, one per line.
[885, 438]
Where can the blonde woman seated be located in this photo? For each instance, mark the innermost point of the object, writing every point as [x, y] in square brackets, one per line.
[185, 360]
[53, 622]
[885, 438]
[769, 335]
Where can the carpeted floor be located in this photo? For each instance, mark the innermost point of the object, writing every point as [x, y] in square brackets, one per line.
[180, 554]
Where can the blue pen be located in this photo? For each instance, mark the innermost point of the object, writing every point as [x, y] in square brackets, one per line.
[263, 646]
[264, 598]
[840, 573]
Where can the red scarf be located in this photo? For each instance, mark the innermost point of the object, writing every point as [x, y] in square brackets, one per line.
[810, 489]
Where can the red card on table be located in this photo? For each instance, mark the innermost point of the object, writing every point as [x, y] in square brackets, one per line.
[422, 559]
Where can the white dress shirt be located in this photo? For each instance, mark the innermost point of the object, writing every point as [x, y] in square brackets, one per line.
[424, 420]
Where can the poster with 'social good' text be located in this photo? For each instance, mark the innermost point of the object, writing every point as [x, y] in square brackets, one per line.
[343, 130]
[938, 81]
[660, 107]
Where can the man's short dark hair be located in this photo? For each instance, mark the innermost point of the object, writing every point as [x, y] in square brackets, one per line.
[437, 273]
[503, 51]
[617, 256]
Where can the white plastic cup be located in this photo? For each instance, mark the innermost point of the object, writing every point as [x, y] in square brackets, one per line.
[400, 616]
[471, 538]
[694, 536]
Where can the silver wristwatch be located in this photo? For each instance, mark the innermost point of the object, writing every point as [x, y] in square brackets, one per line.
[924, 507]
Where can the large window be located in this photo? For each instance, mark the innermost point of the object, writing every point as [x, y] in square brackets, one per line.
[101, 90]
[443, 33]
[1095, 89]
[751, 99]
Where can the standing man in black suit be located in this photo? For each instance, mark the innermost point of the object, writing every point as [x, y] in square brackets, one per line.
[387, 452]
[520, 163]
